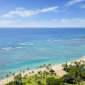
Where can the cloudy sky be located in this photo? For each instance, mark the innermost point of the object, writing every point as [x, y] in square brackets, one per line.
[42, 13]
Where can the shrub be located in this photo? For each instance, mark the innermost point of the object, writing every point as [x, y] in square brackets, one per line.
[39, 82]
[52, 81]
[52, 70]
[15, 83]
[67, 78]
[18, 77]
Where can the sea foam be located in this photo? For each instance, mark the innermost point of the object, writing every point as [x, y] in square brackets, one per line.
[11, 48]
[26, 43]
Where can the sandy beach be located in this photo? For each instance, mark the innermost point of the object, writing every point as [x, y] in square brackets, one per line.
[58, 69]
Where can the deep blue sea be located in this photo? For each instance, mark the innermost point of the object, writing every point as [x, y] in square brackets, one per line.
[30, 47]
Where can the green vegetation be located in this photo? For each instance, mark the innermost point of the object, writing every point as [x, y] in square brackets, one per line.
[75, 76]
[52, 70]
[77, 84]
[76, 73]
[38, 79]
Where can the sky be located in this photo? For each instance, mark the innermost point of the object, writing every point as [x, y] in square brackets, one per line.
[42, 13]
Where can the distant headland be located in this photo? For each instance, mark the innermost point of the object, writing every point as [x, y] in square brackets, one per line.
[82, 37]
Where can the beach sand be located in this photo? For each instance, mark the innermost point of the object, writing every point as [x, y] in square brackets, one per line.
[58, 69]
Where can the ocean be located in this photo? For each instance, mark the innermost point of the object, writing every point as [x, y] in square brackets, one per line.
[31, 47]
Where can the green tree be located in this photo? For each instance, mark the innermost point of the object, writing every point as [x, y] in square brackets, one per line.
[52, 81]
[2, 79]
[18, 77]
[39, 82]
[32, 71]
[44, 65]
[65, 66]
[49, 65]
[52, 70]
[20, 71]
[10, 75]
[7, 77]
[67, 78]
[28, 69]
[13, 75]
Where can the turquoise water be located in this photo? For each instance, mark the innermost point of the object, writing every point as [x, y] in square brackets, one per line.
[21, 48]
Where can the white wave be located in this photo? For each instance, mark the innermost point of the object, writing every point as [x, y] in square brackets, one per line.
[76, 39]
[18, 47]
[56, 40]
[10, 48]
[26, 43]
[48, 40]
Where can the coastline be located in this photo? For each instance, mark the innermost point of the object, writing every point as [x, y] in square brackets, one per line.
[57, 68]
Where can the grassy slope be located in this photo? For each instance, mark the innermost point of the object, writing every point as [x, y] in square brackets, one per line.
[35, 83]
[76, 84]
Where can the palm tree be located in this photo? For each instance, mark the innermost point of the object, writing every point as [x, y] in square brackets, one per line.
[83, 62]
[10, 74]
[13, 74]
[35, 78]
[41, 66]
[49, 64]
[77, 64]
[26, 75]
[32, 71]
[20, 70]
[28, 69]
[66, 66]
[44, 65]
[36, 69]
[7, 77]
[2, 79]
[23, 73]
[47, 67]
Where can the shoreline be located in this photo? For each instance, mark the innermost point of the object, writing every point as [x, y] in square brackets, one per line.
[57, 67]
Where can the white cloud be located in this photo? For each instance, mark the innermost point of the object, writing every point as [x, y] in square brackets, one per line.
[77, 19]
[23, 13]
[73, 2]
[48, 9]
[54, 19]
[83, 6]
[44, 24]
[82, 20]
[70, 12]
[20, 8]
[73, 20]
[6, 22]
[27, 13]
[65, 20]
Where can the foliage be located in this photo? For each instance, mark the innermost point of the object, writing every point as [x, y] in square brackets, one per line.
[39, 82]
[52, 70]
[67, 78]
[15, 83]
[33, 79]
[32, 71]
[76, 72]
[18, 77]
[52, 81]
